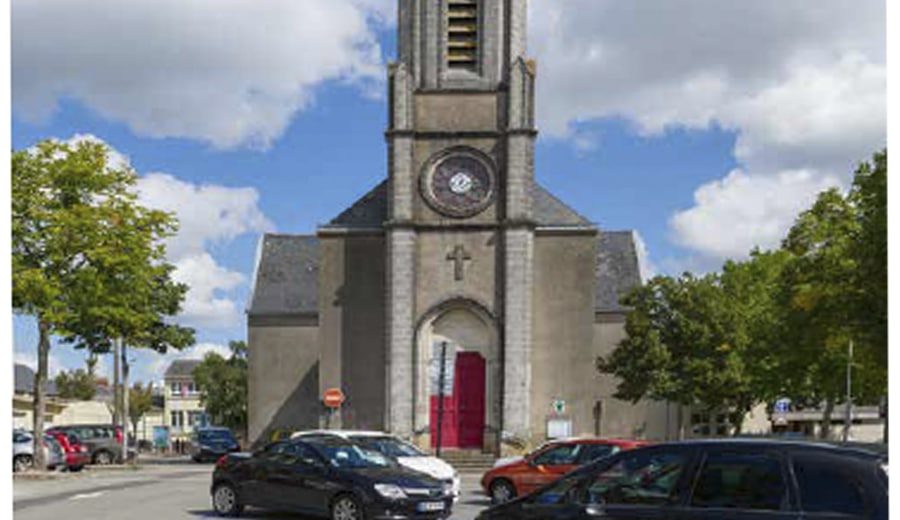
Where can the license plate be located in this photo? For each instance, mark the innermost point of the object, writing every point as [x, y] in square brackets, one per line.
[426, 507]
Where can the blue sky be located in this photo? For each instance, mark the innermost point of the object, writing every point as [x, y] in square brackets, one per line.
[705, 139]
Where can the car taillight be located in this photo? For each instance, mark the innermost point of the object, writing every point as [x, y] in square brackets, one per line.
[119, 435]
[222, 460]
[83, 449]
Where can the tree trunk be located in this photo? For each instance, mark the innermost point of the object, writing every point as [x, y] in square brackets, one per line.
[40, 386]
[117, 393]
[125, 404]
[825, 432]
[680, 421]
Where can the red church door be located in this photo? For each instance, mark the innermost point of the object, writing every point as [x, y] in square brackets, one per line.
[463, 420]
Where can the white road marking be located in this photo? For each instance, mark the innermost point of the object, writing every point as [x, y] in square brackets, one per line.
[86, 495]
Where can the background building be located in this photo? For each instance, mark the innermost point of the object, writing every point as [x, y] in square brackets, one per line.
[182, 410]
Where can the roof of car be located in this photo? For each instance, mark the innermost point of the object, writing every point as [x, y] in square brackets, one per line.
[345, 434]
[777, 444]
[595, 440]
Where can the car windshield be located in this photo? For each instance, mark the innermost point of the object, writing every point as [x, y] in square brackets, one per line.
[216, 435]
[389, 446]
[352, 457]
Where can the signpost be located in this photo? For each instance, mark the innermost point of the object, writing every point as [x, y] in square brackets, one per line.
[441, 377]
[333, 398]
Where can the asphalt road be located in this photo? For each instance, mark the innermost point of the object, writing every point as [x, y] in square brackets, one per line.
[154, 492]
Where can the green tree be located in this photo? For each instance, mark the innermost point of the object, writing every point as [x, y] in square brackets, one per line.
[751, 291]
[223, 386]
[679, 347]
[835, 292]
[77, 384]
[88, 261]
[140, 401]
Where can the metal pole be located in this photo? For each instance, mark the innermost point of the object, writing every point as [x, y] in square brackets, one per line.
[848, 412]
[442, 371]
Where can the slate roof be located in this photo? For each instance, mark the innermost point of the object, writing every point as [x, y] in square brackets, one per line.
[23, 379]
[286, 280]
[182, 368]
[370, 210]
[618, 269]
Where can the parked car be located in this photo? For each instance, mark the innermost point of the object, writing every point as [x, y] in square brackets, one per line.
[733, 479]
[76, 455]
[103, 441]
[517, 476]
[400, 451]
[211, 443]
[326, 476]
[23, 451]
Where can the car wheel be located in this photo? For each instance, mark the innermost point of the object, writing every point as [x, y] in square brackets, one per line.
[103, 458]
[225, 500]
[502, 491]
[21, 463]
[346, 507]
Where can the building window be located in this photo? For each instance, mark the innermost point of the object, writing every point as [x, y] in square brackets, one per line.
[176, 388]
[177, 418]
[462, 34]
[196, 419]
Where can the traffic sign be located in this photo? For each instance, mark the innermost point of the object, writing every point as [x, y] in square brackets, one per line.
[559, 406]
[782, 406]
[333, 398]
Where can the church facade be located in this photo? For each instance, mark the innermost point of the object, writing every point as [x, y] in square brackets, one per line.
[459, 269]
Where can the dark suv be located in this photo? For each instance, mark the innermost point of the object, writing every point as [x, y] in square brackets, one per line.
[733, 479]
[103, 441]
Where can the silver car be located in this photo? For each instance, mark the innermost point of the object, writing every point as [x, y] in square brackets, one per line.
[23, 451]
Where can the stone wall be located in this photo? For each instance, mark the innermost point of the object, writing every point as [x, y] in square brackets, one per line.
[283, 376]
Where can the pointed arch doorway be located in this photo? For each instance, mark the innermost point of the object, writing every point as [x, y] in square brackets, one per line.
[467, 407]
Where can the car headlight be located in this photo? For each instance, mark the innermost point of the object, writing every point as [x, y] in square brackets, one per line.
[390, 491]
[448, 489]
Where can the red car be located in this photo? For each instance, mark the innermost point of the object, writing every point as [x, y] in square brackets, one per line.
[77, 454]
[520, 476]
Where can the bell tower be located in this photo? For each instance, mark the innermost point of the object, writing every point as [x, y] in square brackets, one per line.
[460, 154]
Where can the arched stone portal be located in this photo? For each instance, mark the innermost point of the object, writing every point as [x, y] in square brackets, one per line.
[470, 332]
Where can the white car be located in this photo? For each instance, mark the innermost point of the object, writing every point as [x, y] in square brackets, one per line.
[401, 451]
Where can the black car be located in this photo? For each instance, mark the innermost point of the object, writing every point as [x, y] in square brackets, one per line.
[326, 477]
[211, 443]
[733, 479]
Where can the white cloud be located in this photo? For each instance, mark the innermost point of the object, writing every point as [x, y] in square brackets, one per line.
[203, 305]
[802, 84]
[647, 267]
[229, 72]
[208, 214]
[739, 212]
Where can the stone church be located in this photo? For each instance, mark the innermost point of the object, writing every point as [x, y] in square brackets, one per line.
[458, 255]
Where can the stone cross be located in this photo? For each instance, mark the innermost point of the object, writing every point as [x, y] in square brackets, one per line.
[459, 257]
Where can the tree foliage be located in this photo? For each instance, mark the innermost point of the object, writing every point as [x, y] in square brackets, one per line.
[223, 386]
[76, 384]
[88, 260]
[775, 325]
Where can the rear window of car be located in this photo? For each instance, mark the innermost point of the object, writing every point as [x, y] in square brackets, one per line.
[827, 487]
[592, 452]
[740, 481]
